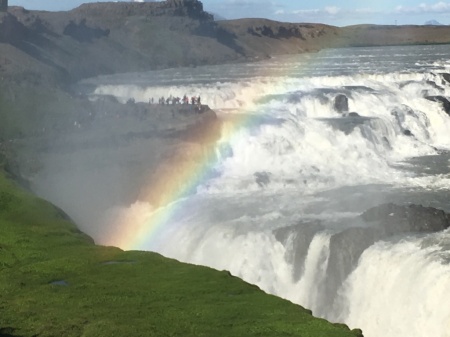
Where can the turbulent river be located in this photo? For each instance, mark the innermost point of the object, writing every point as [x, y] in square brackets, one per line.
[288, 176]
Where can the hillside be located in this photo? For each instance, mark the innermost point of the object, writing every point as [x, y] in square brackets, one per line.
[104, 38]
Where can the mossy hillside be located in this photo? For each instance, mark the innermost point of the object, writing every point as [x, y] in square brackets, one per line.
[103, 291]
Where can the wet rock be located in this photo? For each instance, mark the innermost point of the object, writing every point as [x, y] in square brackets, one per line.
[354, 114]
[262, 178]
[341, 103]
[394, 219]
[408, 133]
[359, 88]
[345, 247]
[445, 77]
[376, 224]
[299, 238]
[435, 85]
[348, 123]
[445, 102]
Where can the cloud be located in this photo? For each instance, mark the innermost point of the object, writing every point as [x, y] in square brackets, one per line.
[423, 8]
[247, 3]
[331, 15]
[328, 11]
[332, 10]
[233, 9]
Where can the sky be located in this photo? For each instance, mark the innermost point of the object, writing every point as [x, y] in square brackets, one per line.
[333, 12]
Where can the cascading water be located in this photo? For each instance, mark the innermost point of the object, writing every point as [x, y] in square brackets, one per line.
[291, 172]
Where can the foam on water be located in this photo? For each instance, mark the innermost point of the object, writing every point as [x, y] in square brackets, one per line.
[399, 282]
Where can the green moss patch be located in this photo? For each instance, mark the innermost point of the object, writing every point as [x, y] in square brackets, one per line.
[55, 282]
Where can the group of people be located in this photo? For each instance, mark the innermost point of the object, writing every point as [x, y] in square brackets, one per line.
[177, 100]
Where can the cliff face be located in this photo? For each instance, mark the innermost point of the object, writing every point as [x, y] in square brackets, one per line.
[101, 38]
[183, 8]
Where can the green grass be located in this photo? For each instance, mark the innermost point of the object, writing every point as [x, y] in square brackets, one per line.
[144, 294]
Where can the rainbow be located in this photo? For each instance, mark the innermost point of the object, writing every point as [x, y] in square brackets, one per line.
[179, 176]
[176, 178]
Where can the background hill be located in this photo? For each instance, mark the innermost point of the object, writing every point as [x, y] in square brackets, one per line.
[433, 23]
[103, 38]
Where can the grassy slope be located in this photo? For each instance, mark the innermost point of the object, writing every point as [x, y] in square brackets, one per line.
[146, 295]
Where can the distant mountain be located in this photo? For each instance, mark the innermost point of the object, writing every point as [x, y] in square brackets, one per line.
[433, 23]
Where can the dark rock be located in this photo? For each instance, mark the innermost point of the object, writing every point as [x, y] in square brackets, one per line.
[384, 221]
[354, 114]
[445, 77]
[408, 133]
[435, 85]
[188, 8]
[82, 33]
[445, 102]
[345, 250]
[300, 237]
[430, 83]
[346, 247]
[347, 125]
[394, 219]
[276, 31]
[262, 178]
[3, 5]
[341, 103]
[11, 30]
[359, 88]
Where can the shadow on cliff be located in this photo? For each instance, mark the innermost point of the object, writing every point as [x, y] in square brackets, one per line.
[31, 41]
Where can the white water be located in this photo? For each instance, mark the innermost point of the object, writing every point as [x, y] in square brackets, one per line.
[399, 282]
[294, 162]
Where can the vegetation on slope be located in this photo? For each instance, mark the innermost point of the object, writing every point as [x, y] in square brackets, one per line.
[55, 282]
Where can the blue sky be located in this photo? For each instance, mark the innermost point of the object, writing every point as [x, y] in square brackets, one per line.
[334, 12]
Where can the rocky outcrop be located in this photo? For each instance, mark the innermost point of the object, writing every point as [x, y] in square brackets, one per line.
[394, 219]
[299, 237]
[341, 103]
[276, 32]
[445, 78]
[11, 30]
[443, 100]
[345, 247]
[190, 8]
[82, 33]
[3, 5]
